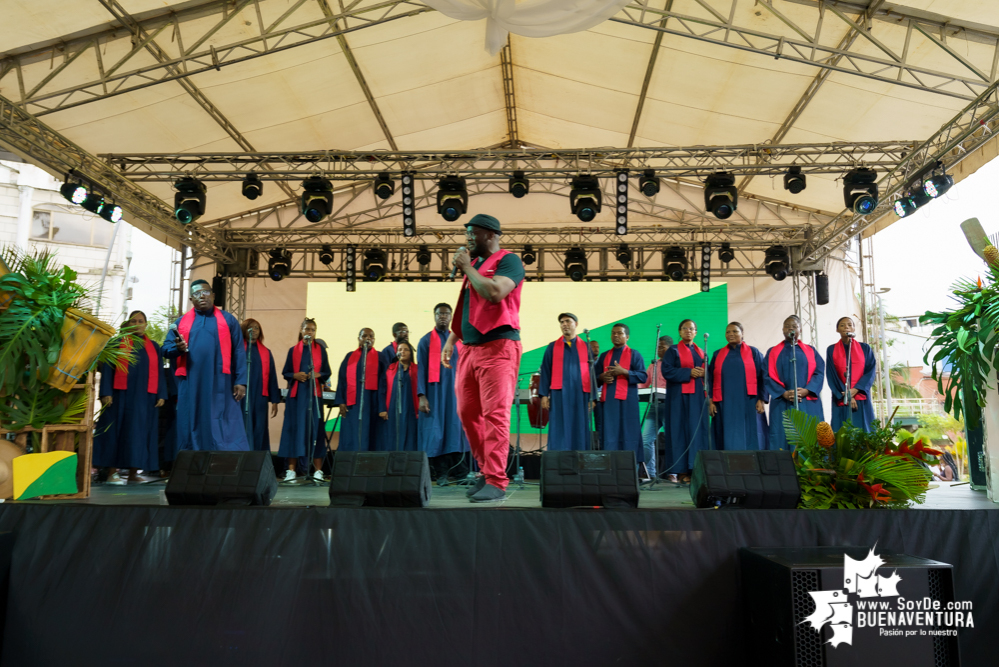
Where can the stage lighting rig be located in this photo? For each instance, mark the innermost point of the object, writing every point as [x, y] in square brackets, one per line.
[93, 202]
[721, 197]
[452, 198]
[621, 202]
[937, 185]
[675, 263]
[253, 187]
[860, 190]
[317, 200]
[350, 267]
[73, 192]
[777, 261]
[706, 267]
[384, 185]
[519, 185]
[623, 254]
[585, 197]
[189, 202]
[110, 212]
[649, 183]
[529, 256]
[408, 205]
[794, 180]
[326, 255]
[575, 264]
[423, 255]
[375, 261]
[726, 254]
[279, 264]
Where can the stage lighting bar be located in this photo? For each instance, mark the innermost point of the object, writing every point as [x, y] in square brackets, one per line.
[721, 197]
[705, 267]
[575, 264]
[350, 267]
[74, 192]
[794, 180]
[326, 254]
[528, 256]
[408, 204]
[675, 263]
[585, 198]
[253, 187]
[375, 263]
[423, 256]
[938, 184]
[317, 199]
[860, 190]
[649, 183]
[726, 254]
[621, 202]
[776, 262]
[279, 264]
[189, 202]
[93, 202]
[519, 185]
[623, 254]
[384, 185]
[452, 198]
[110, 212]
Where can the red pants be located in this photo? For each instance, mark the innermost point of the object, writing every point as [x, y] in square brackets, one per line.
[485, 383]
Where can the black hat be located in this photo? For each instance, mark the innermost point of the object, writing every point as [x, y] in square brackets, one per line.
[485, 222]
[561, 315]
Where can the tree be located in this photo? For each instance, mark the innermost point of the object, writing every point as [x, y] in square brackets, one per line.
[160, 322]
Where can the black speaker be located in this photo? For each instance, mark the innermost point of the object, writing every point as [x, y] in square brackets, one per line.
[589, 479]
[218, 289]
[821, 289]
[222, 478]
[862, 617]
[749, 479]
[6, 556]
[380, 479]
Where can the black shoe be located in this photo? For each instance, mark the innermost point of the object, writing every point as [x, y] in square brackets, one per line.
[488, 494]
[475, 488]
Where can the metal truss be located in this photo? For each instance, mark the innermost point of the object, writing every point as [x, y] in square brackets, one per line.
[716, 25]
[509, 97]
[960, 137]
[196, 52]
[803, 289]
[497, 164]
[27, 136]
[235, 296]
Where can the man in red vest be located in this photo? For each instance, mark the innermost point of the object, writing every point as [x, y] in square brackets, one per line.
[488, 323]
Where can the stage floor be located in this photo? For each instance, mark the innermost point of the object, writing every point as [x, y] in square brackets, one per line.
[664, 496]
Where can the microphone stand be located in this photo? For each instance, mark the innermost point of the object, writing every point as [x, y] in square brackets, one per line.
[310, 437]
[847, 398]
[593, 392]
[247, 409]
[360, 401]
[398, 405]
[794, 366]
[704, 410]
[653, 404]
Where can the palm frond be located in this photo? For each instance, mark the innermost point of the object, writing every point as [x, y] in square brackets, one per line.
[799, 428]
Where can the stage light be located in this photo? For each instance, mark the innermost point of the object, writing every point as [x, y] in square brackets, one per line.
[93, 202]
[408, 205]
[375, 261]
[705, 267]
[110, 212]
[721, 197]
[326, 255]
[648, 183]
[317, 200]
[529, 256]
[938, 185]
[350, 267]
[675, 263]
[794, 180]
[189, 202]
[279, 264]
[776, 262]
[575, 264]
[905, 206]
[726, 254]
[623, 254]
[585, 197]
[384, 185]
[452, 198]
[860, 191]
[519, 185]
[423, 256]
[74, 192]
[621, 202]
[253, 187]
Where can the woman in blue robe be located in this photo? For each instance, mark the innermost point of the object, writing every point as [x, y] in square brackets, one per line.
[569, 405]
[779, 380]
[359, 422]
[299, 437]
[683, 368]
[396, 394]
[622, 422]
[258, 430]
[863, 365]
[440, 433]
[738, 409]
[127, 432]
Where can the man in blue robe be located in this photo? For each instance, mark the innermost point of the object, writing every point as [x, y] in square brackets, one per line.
[621, 369]
[567, 390]
[400, 332]
[439, 430]
[357, 395]
[598, 408]
[683, 367]
[738, 394]
[207, 344]
[862, 367]
[779, 380]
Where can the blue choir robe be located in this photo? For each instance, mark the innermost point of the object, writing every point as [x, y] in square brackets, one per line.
[568, 419]
[359, 429]
[622, 420]
[168, 418]
[399, 432]
[864, 414]
[295, 440]
[778, 404]
[440, 430]
[127, 432]
[388, 354]
[208, 415]
[737, 425]
[688, 414]
[259, 433]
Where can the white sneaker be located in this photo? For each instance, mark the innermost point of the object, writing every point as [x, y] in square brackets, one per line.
[116, 480]
[318, 476]
[289, 476]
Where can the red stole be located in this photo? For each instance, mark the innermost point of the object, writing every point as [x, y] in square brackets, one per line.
[747, 361]
[390, 379]
[687, 361]
[121, 375]
[584, 363]
[370, 373]
[621, 381]
[482, 314]
[434, 361]
[296, 366]
[225, 346]
[265, 366]
[809, 356]
[857, 362]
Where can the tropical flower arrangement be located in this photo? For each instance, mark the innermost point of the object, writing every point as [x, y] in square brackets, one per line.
[850, 469]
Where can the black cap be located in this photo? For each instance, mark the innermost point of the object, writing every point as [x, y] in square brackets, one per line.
[485, 222]
[561, 315]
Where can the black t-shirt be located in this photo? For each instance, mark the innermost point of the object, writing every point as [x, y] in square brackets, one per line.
[511, 267]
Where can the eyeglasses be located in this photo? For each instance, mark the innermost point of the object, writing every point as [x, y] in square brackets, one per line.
[200, 293]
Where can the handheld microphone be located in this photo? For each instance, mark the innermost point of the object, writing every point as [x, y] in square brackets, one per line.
[454, 268]
[173, 327]
[586, 331]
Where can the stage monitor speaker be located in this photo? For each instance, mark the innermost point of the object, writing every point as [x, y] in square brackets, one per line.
[821, 289]
[380, 479]
[775, 588]
[218, 289]
[589, 479]
[222, 478]
[749, 479]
